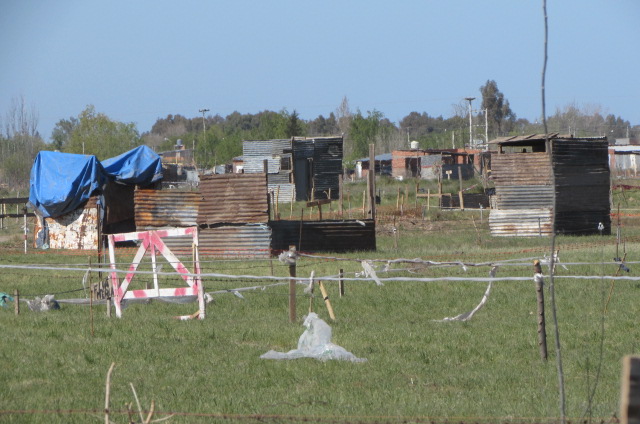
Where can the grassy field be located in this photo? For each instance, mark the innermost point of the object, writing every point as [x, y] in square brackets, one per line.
[487, 369]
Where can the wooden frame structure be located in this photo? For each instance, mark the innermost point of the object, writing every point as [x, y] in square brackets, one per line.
[152, 241]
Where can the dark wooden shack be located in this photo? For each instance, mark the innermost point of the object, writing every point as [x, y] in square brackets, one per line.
[533, 172]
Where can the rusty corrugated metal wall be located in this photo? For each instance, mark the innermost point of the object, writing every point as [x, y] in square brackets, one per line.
[525, 192]
[227, 241]
[331, 236]
[162, 208]
[233, 199]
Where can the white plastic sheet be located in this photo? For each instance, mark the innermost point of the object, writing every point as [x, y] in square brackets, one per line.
[315, 342]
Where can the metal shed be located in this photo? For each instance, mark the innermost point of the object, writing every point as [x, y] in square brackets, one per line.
[300, 168]
[530, 175]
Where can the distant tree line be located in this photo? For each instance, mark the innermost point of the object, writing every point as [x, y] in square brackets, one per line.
[217, 139]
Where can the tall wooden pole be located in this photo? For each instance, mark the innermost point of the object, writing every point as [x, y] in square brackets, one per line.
[292, 285]
[372, 180]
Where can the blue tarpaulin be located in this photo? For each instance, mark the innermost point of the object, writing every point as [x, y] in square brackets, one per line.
[141, 166]
[61, 182]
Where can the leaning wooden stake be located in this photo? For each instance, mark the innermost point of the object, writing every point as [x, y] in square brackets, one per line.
[542, 331]
[16, 304]
[325, 296]
[106, 395]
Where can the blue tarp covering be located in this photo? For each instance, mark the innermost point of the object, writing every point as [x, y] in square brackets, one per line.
[61, 182]
[141, 166]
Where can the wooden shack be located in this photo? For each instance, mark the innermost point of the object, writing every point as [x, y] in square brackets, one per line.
[542, 181]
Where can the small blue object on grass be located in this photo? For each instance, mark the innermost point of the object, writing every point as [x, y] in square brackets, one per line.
[3, 299]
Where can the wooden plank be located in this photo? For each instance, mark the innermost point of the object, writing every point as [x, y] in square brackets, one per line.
[318, 203]
[14, 200]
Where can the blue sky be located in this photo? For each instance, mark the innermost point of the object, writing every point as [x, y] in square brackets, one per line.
[138, 61]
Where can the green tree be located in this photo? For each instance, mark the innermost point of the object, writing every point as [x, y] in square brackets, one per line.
[365, 131]
[294, 126]
[98, 135]
[20, 144]
[61, 134]
[500, 117]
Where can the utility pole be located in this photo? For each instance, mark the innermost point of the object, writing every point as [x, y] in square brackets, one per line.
[204, 132]
[470, 99]
[486, 129]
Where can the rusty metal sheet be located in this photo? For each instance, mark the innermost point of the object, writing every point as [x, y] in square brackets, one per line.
[75, 230]
[233, 198]
[524, 197]
[327, 236]
[520, 223]
[520, 169]
[160, 208]
[228, 241]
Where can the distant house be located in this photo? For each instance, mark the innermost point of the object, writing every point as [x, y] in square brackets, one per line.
[434, 163]
[624, 160]
[382, 166]
[300, 168]
[565, 182]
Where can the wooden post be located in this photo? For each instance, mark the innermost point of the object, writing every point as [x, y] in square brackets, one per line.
[630, 390]
[325, 296]
[300, 234]
[292, 286]
[341, 196]
[542, 331]
[460, 192]
[24, 210]
[416, 198]
[439, 191]
[293, 198]
[311, 297]
[364, 203]
[395, 234]
[341, 282]
[276, 204]
[372, 180]
[16, 299]
[428, 199]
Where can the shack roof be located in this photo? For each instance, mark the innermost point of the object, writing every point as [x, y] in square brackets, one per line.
[526, 140]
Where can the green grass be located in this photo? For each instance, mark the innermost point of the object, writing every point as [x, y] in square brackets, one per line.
[480, 370]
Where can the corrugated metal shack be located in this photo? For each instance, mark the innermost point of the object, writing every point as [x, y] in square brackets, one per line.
[232, 211]
[304, 167]
[527, 182]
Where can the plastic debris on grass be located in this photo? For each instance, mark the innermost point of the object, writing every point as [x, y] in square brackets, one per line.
[45, 303]
[315, 342]
[467, 315]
